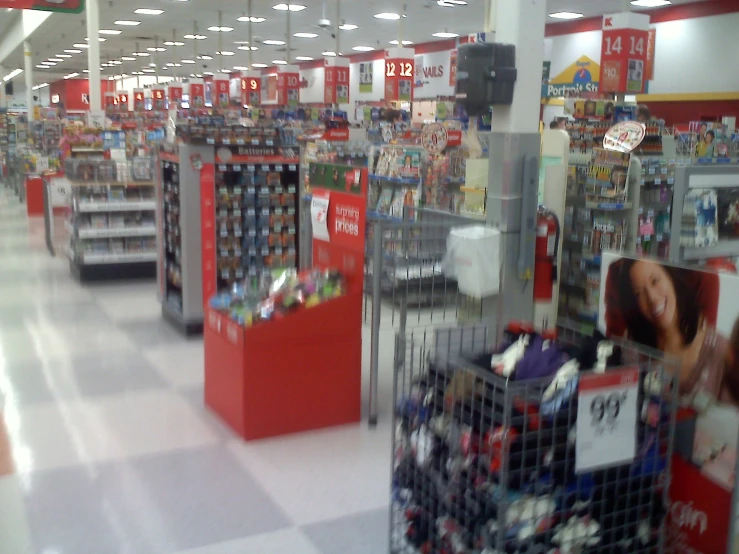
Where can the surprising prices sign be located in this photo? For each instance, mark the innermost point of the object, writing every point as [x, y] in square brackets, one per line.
[624, 53]
[606, 419]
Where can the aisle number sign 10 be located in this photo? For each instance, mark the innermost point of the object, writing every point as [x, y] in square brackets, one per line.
[624, 53]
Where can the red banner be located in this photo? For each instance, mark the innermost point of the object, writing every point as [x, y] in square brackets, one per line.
[651, 50]
[174, 94]
[197, 95]
[399, 75]
[221, 94]
[288, 89]
[336, 83]
[123, 102]
[64, 6]
[453, 69]
[158, 99]
[623, 55]
[139, 101]
[208, 222]
[251, 91]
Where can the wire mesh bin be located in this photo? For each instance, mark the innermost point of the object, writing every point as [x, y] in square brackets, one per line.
[484, 465]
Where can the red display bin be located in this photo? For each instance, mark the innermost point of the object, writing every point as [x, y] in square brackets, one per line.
[285, 376]
[34, 196]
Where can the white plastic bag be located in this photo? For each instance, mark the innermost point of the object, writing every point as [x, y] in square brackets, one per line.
[473, 259]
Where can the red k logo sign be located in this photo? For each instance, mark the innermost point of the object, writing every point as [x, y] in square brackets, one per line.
[608, 22]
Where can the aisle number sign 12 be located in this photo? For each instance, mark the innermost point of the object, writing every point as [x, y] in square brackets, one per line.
[607, 412]
[624, 53]
[399, 75]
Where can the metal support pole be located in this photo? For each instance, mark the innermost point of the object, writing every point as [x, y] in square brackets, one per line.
[92, 12]
[251, 38]
[288, 55]
[28, 68]
[376, 310]
[337, 30]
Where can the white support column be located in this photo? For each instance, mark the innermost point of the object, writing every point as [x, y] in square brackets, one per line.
[92, 12]
[521, 23]
[28, 74]
[3, 96]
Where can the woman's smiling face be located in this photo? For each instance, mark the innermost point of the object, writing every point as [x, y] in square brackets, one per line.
[655, 294]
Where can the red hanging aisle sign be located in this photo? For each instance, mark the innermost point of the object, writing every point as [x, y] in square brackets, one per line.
[197, 95]
[174, 95]
[288, 85]
[336, 81]
[624, 53]
[399, 74]
[123, 101]
[251, 90]
[139, 100]
[158, 99]
[221, 94]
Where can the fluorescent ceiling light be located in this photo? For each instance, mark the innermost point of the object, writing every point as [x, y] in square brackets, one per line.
[279, 62]
[73, 51]
[404, 42]
[205, 57]
[650, 3]
[81, 45]
[115, 62]
[240, 68]
[109, 32]
[225, 53]
[445, 34]
[225, 71]
[208, 73]
[141, 54]
[188, 61]
[12, 74]
[195, 37]
[148, 70]
[387, 15]
[565, 15]
[363, 48]
[127, 23]
[305, 35]
[274, 42]
[248, 48]
[49, 64]
[328, 53]
[152, 64]
[156, 49]
[217, 29]
[245, 19]
[85, 71]
[41, 66]
[71, 76]
[291, 7]
[450, 3]
[128, 59]
[148, 11]
[348, 27]
[55, 60]
[170, 64]
[63, 55]
[259, 65]
[303, 58]
[178, 65]
[42, 85]
[173, 43]
[100, 39]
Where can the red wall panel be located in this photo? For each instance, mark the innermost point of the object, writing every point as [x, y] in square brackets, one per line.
[70, 92]
[683, 112]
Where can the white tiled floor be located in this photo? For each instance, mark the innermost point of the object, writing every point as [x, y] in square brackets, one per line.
[115, 453]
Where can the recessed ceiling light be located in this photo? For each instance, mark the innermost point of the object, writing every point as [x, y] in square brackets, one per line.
[650, 3]
[56, 60]
[173, 43]
[63, 55]
[328, 53]
[49, 64]
[195, 37]
[225, 70]
[156, 49]
[170, 64]
[178, 65]
[188, 61]
[291, 7]
[148, 70]
[109, 32]
[71, 75]
[404, 42]
[208, 73]
[274, 42]
[127, 23]
[42, 85]
[148, 11]
[279, 62]
[387, 15]
[100, 39]
[248, 48]
[85, 71]
[141, 54]
[565, 15]
[205, 57]
[363, 48]
[81, 45]
[445, 34]
[137, 72]
[128, 59]
[225, 53]
[240, 68]
[245, 19]
[305, 35]
[259, 65]
[217, 29]
[74, 51]
[303, 58]
[348, 27]
[42, 66]
[115, 62]
[450, 3]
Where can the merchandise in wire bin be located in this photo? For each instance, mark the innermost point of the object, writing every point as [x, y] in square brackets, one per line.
[655, 207]
[485, 447]
[256, 223]
[700, 219]
[396, 181]
[172, 234]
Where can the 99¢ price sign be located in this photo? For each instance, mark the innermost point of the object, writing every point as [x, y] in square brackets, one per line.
[607, 414]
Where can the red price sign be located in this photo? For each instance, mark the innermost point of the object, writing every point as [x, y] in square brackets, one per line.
[624, 53]
[251, 91]
[399, 75]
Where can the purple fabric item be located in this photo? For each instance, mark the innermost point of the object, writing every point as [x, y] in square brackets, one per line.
[536, 363]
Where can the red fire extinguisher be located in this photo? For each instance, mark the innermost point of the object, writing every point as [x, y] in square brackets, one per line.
[547, 245]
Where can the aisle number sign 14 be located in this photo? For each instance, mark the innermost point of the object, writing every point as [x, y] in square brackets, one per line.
[606, 419]
[624, 53]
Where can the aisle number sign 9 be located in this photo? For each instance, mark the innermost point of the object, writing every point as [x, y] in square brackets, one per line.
[404, 69]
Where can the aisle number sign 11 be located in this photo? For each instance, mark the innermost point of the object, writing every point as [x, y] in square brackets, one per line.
[399, 74]
[624, 53]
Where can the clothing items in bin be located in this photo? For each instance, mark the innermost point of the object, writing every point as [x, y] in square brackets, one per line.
[473, 260]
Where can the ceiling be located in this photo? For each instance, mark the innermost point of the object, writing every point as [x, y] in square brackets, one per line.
[180, 17]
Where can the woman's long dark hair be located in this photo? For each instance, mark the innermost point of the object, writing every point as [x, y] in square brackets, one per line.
[620, 298]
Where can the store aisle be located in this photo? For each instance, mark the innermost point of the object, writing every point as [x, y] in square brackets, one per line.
[106, 448]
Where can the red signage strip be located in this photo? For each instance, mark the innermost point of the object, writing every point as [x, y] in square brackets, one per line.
[208, 217]
[63, 6]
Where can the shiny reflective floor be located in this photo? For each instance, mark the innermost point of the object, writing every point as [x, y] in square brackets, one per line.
[106, 447]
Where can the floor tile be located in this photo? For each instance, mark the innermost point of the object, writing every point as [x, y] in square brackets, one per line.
[182, 365]
[154, 332]
[287, 541]
[14, 528]
[365, 533]
[196, 398]
[349, 469]
[135, 305]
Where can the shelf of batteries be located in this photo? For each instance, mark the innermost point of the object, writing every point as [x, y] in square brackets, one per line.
[113, 208]
[655, 207]
[172, 234]
[256, 220]
[596, 219]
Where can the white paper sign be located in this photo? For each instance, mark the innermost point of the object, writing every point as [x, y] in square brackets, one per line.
[42, 164]
[606, 419]
[60, 190]
[319, 216]
[96, 119]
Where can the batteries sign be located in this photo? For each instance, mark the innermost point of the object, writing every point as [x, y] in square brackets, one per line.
[63, 6]
[606, 419]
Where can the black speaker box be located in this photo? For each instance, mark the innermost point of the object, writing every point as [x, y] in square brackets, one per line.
[486, 75]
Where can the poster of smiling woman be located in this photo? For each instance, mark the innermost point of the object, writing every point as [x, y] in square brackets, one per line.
[692, 315]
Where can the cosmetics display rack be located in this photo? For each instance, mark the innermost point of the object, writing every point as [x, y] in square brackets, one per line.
[601, 213]
[112, 223]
